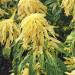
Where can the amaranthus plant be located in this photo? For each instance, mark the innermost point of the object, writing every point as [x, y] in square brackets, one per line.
[26, 7]
[38, 37]
[8, 32]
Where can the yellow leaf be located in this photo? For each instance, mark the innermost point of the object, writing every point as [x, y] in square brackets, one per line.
[8, 31]
[26, 7]
[35, 30]
[72, 73]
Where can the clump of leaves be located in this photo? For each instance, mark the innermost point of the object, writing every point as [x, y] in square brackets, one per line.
[26, 7]
[69, 7]
[37, 38]
[8, 31]
[36, 30]
[36, 50]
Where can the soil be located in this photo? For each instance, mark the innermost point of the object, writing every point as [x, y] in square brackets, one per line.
[5, 66]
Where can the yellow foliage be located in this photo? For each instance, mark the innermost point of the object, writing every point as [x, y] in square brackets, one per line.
[69, 7]
[68, 49]
[4, 1]
[70, 61]
[36, 30]
[8, 31]
[26, 71]
[72, 73]
[26, 7]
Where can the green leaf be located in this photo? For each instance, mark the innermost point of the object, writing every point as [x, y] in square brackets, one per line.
[42, 61]
[23, 62]
[32, 64]
[6, 52]
[51, 65]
